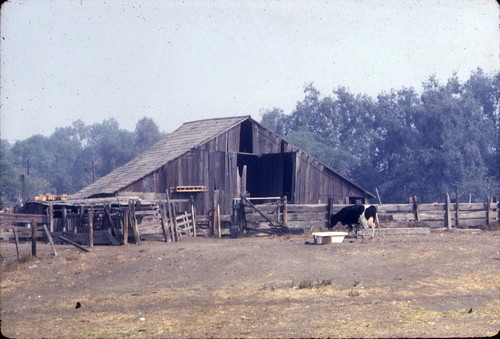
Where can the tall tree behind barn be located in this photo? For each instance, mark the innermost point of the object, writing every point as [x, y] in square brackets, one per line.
[213, 157]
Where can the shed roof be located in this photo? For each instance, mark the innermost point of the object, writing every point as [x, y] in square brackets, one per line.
[186, 137]
[183, 139]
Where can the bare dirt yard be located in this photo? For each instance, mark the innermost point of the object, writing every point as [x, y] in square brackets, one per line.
[445, 284]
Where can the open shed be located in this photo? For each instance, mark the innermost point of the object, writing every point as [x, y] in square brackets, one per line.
[216, 160]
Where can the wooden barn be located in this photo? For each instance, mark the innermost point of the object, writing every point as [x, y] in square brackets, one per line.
[219, 159]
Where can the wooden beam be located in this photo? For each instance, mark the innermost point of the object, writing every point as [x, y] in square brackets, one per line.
[125, 225]
[163, 221]
[262, 214]
[415, 208]
[23, 218]
[378, 196]
[107, 209]
[90, 215]
[285, 211]
[112, 239]
[33, 238]
[133, 222]
[447, 216]
[51, 217]
[193, 216]
[488, 212]
[73, 243]
[172, 218]
[50, 240]
[64, 219]
[16, 239]
[218, 220]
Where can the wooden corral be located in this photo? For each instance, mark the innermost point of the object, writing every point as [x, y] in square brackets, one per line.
[307, 217]
[217, 160]
[119, 221]
[104, 221]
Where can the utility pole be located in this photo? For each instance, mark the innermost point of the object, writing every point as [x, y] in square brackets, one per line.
[92, 166]
[23, 190]
[46, 163]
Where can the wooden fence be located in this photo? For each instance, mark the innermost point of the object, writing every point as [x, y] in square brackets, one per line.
[413, 214]
[118, 222]
[103, 222]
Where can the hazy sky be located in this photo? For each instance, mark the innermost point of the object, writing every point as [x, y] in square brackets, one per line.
[178, 61]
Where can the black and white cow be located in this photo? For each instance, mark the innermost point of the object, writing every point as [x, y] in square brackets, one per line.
[364, 215]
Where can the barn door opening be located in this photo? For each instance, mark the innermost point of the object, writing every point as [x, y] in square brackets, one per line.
[246, 139]
[269, 175]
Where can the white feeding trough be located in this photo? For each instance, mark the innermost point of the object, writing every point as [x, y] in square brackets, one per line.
[328, 237]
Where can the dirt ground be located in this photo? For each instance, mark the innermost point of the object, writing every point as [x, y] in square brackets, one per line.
[446, 284]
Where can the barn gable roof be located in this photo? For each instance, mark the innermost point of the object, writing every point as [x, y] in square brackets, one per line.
[190, 135]
[186, 137]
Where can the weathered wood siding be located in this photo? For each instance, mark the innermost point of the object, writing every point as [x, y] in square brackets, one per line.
[264, 141]
[315, 183]
[214, 164]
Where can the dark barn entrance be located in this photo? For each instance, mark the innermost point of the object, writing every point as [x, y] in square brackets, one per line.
[269, 175]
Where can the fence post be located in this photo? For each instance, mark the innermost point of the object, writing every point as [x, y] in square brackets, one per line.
[64, 219]
[447, 214]
[488, 213]
[415, 208]
[193, 214]
[125, 225]
[243, 222]
[285, 211]
[219, 231]
[329, 212]
[457, 221]
[90, 215]
[33, 237]
[51, 217]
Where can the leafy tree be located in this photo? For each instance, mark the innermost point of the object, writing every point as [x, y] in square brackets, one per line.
[328, 155]
[404, 143]
[109, 146]
[147, 134]
[71, 158]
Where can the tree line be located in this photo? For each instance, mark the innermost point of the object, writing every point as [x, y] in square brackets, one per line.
[404, 143]
[69, 159]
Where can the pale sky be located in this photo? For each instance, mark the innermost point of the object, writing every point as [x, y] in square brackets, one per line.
[179, 61]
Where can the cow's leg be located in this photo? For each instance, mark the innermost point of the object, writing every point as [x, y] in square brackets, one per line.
[367, 223]
[371, 223]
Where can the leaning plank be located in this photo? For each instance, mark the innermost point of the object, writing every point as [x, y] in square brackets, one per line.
[50, 240]
[112, 239]
[17, 243]
[73, 243]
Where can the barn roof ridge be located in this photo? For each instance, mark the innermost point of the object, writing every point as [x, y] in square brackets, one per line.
[190, 135]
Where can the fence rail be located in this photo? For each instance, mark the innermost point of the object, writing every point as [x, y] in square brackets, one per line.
[447, 214]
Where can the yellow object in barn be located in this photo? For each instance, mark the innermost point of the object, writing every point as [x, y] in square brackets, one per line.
[51, 197]
[190, 188]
